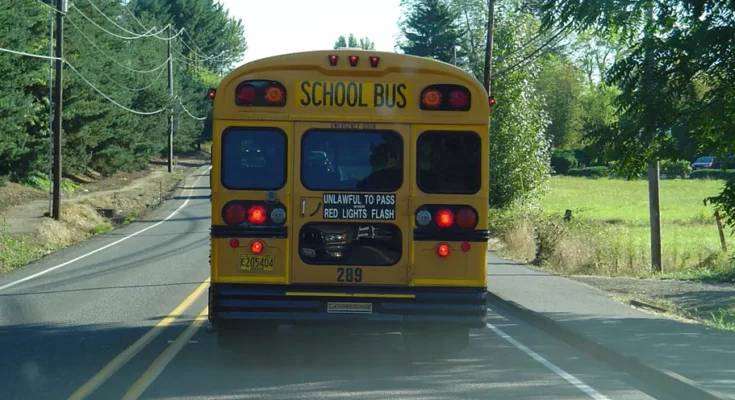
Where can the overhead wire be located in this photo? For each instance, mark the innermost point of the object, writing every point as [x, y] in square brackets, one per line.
[50, 6]
[28, 54]
[111, 58]
[120, 36]
[187, 112]
[109, 98]
[118, 25]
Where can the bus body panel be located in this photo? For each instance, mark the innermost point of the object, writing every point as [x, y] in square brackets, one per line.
[418, 287]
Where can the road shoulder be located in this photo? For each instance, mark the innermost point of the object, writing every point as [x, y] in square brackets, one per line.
[689, 359]
[92, 210]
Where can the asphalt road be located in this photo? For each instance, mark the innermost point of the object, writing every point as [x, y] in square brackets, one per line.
[120, 316]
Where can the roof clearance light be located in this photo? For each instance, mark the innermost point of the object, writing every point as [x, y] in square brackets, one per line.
[274, 94]
[256, 247]
[491, 101]
[431, 98]
[246, 94]
[333, 60]
[212, 93]
[442, 250]
[374, 61]
[353, 60]
[458, 99]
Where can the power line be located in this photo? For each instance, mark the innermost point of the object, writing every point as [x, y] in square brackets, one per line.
[28, 54]
[187, 111]
[153, 82]
[115, 34]
[50, 6]
[115, 23]
[111, 58]
[110, 99]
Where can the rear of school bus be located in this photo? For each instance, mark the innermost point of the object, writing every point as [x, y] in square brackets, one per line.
[349, 187]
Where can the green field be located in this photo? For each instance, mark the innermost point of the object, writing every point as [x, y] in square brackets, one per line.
[615, 238]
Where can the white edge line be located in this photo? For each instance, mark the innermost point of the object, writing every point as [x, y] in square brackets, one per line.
[36, 275]
[548, 364]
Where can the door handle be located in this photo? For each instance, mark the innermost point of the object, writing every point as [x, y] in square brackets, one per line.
[303, 207]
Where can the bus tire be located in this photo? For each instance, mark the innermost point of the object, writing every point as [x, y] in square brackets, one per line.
[436, 342]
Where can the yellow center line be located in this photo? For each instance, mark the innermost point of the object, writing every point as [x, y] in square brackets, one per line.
[121, 359]
[165, 358]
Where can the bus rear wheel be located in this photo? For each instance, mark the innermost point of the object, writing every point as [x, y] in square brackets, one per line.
[433, 342]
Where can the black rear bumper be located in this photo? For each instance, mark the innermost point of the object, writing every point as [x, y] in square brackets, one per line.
[391, 306]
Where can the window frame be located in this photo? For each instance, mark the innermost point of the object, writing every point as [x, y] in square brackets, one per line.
[223, 158]
[447, 192]
[347, 131]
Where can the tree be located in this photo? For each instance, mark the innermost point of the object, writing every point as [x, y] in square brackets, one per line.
[364, 43]
[519, 167]
[430, 30]
[560, 84]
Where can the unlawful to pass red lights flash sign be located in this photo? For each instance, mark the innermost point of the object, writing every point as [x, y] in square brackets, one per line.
[350, 94]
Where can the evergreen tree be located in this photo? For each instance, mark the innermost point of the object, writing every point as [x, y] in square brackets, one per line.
[430, 30]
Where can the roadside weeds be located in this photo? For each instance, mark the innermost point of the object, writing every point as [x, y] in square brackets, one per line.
[91, 209]
[603, 256]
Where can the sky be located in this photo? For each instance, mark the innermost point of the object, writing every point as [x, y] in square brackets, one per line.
[274, 27]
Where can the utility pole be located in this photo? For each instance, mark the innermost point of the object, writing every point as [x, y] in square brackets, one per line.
[654, 203]
[171, 115]
[489, 45]
[50, 170]
[59, 54]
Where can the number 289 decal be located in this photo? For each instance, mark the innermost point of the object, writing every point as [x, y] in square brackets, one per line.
[347, 274]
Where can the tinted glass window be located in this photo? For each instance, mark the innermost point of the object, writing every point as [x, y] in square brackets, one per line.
[449, 162]
[375, 244]
[357, 161]
[253, 159]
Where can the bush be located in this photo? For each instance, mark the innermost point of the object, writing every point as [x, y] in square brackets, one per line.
[679, 169]
[591, 172]
[562, 161]
[713, 174]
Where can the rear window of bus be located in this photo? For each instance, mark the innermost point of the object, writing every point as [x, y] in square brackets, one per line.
[449, 162]
[253, 159]
[352, 160]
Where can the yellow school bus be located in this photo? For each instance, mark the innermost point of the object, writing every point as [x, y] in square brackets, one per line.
[349, 187]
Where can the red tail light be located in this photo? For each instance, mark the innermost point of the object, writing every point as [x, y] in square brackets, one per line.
[256, 247]
[466, 218]
[234, 214]
[246, 94]
[444, 218]
[458, 99]
[491, 101]
[257, 215]
[212, 93]
[442, 250]
[234, 243]
[466, 247]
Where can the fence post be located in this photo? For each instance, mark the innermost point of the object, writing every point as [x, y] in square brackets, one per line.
[721, 231]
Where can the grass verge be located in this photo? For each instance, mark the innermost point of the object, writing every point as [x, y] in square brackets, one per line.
[608, 233]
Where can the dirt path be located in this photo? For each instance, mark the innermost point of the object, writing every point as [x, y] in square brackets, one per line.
[682, 298]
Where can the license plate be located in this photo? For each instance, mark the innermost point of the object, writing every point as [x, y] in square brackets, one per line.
[250, 262]
[350, 308]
